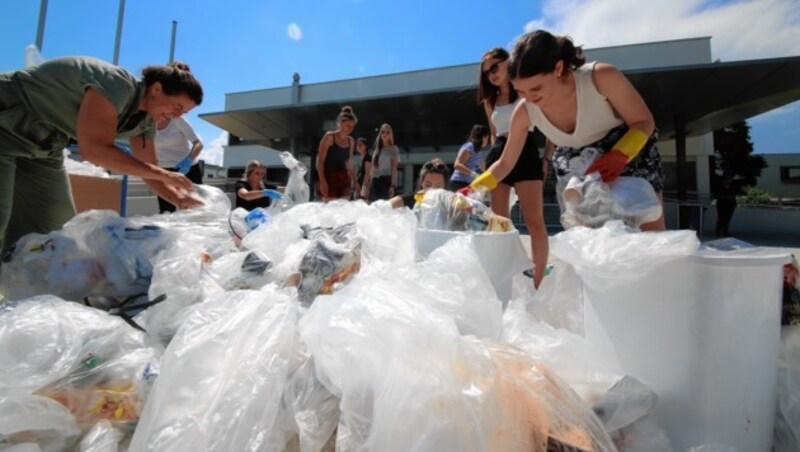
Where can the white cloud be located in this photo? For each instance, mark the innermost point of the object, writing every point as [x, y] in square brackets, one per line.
[213, 152]
[743, 29]
[295, 32]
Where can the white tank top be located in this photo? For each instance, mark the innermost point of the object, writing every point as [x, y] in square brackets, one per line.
[501, 118]
[595, 117]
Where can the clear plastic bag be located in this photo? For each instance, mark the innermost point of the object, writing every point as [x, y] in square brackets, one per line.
[447, 211]
[613, 254]
[65, 367]
[588, 201]
[585, 200]
[223, 376]
[297, 190]
[332, 257]
[392, 350]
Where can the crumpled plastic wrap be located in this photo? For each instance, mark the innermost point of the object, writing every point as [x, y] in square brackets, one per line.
[447, 211]
[622, 403]
[223, 377]
[613, 254]
[99, 253]
[409, 381]
[588, 201]
[297, 190]
[332, 257]
[585, 200]
[64, 368]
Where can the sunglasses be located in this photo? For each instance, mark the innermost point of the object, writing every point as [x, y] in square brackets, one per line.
[493, 68]
[435, 167]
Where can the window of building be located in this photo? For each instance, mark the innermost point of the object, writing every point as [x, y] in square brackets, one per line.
[790, 174]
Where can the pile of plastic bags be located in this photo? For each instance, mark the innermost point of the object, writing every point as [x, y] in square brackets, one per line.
[321, 327]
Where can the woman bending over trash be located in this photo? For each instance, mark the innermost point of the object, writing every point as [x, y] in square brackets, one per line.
[577, 105]
[43, 107]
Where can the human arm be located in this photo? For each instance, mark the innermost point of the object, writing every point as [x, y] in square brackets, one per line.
[96, 131]
[144, 150]
[464, 154]
[518, 132]
[322, 153]
[396, 202]
[351, 168]
[487, 109]
[243, 192]
[394, 162]
[630, 106]
[191, 136]
[196, 144]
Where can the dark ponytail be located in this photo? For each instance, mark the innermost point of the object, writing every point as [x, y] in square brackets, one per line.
[539, 51]
[477, 134]
[175, 78]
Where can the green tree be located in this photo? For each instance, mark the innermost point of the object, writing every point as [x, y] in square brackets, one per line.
[734, 155]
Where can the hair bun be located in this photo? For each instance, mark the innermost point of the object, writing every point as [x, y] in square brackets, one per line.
[180, 65]
[347, 109]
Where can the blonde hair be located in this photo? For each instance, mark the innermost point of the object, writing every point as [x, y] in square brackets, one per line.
[379, 144]
[251, 166]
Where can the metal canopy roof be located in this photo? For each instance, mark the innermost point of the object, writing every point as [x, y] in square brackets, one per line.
[706, 97]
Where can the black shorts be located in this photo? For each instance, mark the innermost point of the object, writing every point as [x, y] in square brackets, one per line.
[528, 166]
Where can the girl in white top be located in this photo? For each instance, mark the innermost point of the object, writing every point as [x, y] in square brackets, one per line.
[527, 172]
[385, 158]
[575, 106]
[177, 149]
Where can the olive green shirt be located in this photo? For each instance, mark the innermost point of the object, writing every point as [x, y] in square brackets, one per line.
[46, 99]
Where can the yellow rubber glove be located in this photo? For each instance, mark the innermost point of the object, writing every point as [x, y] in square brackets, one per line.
[485, 181]
[631, 143]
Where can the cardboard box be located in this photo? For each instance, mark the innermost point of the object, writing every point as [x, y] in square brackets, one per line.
[96, 193]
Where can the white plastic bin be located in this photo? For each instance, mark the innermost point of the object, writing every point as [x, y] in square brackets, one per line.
[703, 330]
[500, 253]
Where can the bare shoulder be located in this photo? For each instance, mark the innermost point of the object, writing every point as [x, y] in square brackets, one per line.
[608, 78]
[520, 116]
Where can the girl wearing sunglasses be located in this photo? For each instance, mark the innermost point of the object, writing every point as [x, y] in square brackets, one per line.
[578, 105]
[432, 175]
[499, 99]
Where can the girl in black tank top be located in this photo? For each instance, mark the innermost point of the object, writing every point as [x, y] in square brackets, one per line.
[335, 162]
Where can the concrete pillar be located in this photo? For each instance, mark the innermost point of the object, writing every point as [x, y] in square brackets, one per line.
[408, 178]
[680, 170]
[703, 180]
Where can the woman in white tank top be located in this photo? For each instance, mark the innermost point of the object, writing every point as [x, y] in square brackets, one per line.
[577, 106]
[499, 98]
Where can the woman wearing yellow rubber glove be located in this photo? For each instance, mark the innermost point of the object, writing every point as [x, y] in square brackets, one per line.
[578, 105]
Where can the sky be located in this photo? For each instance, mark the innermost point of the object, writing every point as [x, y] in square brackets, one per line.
[241, 45]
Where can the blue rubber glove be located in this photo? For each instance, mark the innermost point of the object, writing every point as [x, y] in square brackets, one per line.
[272, 194]
[184, 165]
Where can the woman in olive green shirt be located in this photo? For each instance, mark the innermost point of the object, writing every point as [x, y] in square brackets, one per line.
[45, 106]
